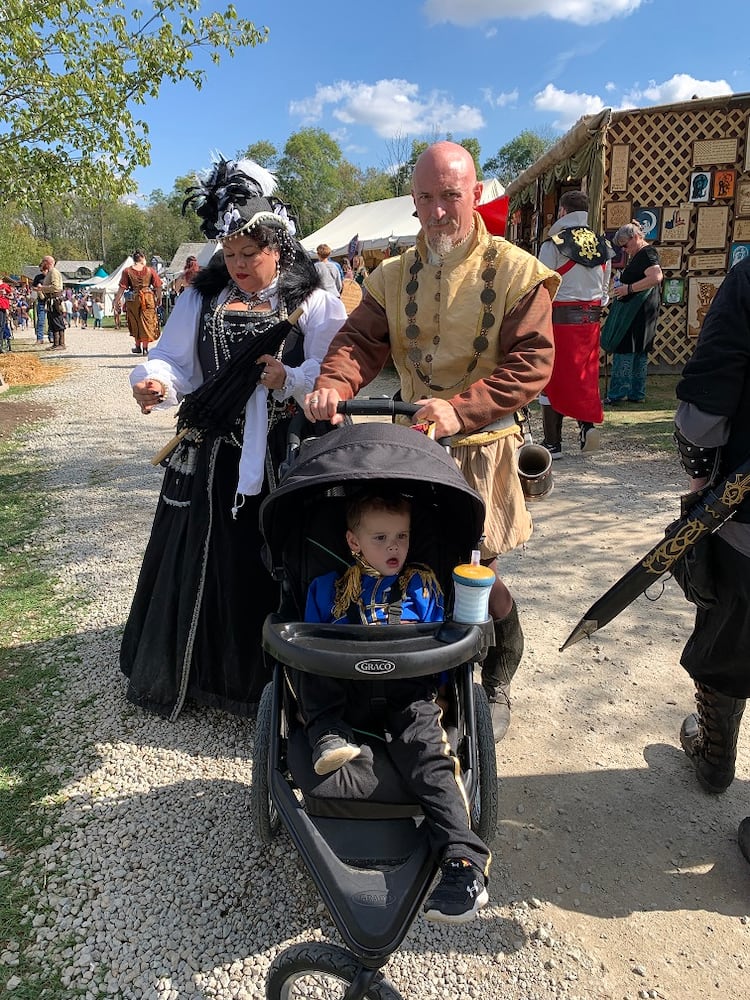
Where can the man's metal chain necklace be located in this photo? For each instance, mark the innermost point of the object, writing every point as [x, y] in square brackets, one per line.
[480, 344]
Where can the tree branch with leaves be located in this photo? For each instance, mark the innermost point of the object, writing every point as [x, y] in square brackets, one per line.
[73, 73]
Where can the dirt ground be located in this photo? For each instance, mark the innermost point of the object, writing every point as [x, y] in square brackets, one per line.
[630, 873]
[24, 368]
[602, 816]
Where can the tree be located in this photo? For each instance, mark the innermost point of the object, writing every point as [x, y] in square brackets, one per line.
[309, 177]
[73, 73]
[518, 155]
[18, 246]
[264, 153]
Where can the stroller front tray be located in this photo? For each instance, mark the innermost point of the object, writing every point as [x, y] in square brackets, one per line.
[366, 652]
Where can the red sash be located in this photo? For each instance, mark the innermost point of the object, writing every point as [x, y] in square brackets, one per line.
[573, 389]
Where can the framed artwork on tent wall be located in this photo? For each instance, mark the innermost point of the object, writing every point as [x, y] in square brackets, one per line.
[700, 186]
[673, 291]
[675, 225]
[617, 213]
[701, 292]
[724, 181]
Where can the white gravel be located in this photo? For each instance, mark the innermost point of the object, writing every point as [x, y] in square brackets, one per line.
[612, 877]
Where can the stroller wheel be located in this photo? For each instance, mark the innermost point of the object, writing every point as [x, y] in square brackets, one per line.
[264, 815]
[484, 803]
[321, 970]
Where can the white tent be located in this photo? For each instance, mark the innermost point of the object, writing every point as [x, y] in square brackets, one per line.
[377, 223]
[108, 285]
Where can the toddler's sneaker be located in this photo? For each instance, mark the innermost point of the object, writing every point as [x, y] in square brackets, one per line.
[459, 895]
[332, 751]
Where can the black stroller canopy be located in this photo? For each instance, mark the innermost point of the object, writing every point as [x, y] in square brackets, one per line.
[356, 456]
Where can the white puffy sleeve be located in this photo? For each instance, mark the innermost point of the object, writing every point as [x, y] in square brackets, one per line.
[322, 317]
[173, 359]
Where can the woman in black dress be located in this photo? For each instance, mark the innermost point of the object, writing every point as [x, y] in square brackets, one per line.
[632, 317]
[194, 629]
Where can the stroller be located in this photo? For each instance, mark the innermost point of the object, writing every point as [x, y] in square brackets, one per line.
[358, 830]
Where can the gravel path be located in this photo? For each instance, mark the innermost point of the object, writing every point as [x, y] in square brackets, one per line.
[614, 876]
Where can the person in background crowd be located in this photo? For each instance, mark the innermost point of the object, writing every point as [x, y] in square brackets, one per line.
[40, 311]
[418, 308]
[52, 291]
[140, 287]
[630, 326]
[194, 628]
[117, 313]
[583, 261]
[83, 311]
[98, 309]
[67, 304]
[359, 269]
[328, 273]
[5, 333]
[712, 432]
[186, 277]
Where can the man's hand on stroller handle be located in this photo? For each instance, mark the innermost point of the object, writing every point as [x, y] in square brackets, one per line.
[323, 404]
[441, 413]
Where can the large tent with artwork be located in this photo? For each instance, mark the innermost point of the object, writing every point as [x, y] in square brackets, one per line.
[378, 226]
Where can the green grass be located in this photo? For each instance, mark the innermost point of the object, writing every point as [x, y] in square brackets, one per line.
[33, 631]
[646, 425]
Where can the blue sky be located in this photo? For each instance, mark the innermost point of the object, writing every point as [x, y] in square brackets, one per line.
[482, 68]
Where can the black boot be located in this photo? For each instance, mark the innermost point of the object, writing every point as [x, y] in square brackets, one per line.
[552, 422]
[499, 667]
[743, 837]
[709, 737]
[136, 349]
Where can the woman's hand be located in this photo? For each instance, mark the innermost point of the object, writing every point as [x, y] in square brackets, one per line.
[273, 375]
[149, 393]
[620, 292]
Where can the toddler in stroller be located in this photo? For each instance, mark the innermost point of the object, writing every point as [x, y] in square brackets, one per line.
[360, 829]
[380, 588]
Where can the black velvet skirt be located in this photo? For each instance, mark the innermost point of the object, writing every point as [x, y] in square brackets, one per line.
[194, 629]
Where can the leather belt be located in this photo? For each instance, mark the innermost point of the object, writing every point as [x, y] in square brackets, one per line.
[574, 315]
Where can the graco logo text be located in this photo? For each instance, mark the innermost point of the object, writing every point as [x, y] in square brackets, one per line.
[372, 898]
[375, 666]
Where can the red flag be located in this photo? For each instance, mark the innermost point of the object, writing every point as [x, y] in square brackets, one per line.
[495, 214]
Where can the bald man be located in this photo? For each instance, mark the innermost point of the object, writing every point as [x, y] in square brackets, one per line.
[51, 291]
[467, 319]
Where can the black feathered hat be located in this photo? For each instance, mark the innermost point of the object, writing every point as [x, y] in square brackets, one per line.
[234, 195]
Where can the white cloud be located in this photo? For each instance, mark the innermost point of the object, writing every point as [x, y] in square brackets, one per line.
[568, 106]
[502, 100]
[680, 87]
[389, 107]
[471, 12]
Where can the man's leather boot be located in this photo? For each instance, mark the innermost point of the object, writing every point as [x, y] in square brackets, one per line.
[498, 669]
[709, 737]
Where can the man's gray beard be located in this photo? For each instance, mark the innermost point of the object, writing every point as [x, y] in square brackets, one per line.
[441, 245]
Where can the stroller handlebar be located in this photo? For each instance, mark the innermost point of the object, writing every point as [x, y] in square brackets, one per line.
[382, 406]
[378, 407]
